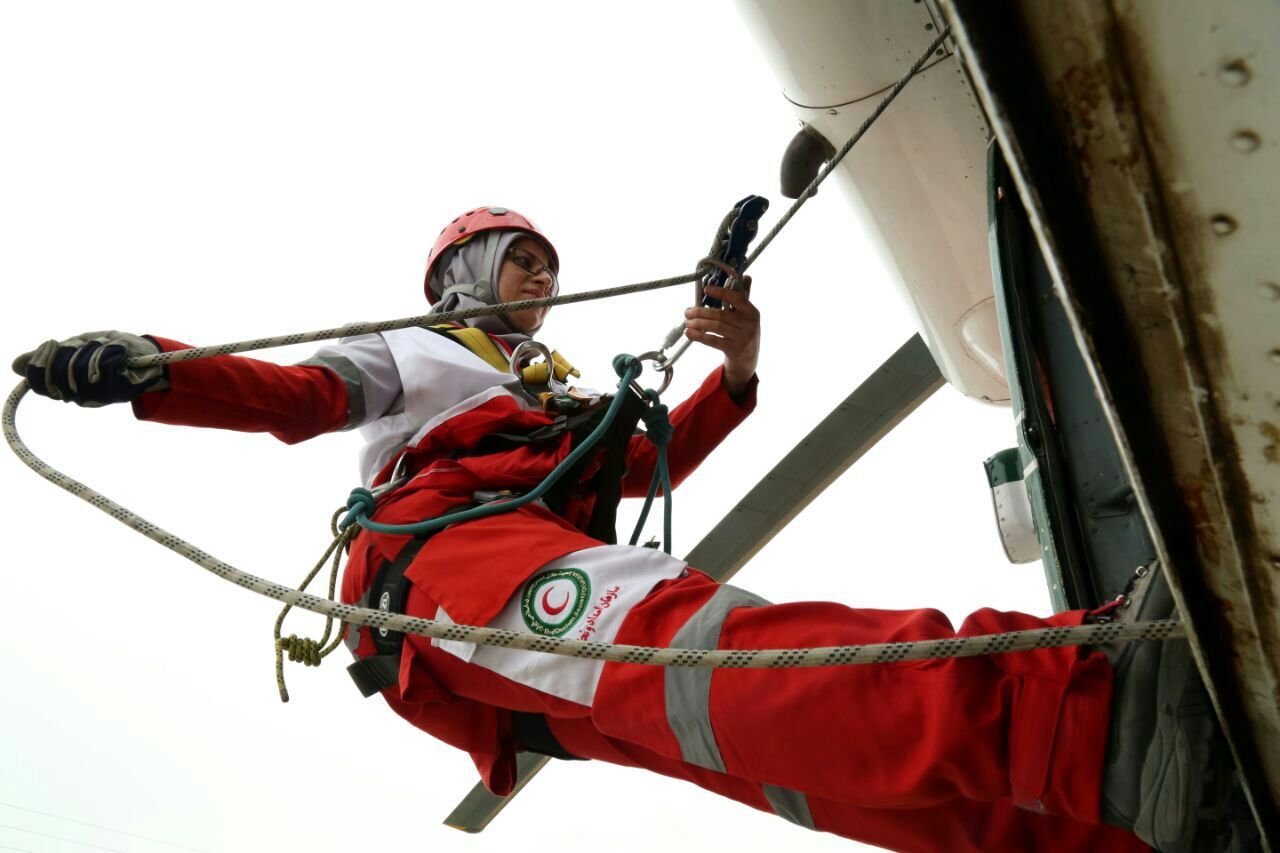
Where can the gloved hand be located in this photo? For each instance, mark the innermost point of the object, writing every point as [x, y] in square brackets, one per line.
[89, 370]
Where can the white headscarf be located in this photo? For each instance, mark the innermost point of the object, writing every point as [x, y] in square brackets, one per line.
[467, 276]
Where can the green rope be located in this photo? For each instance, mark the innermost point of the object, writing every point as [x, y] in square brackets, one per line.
[659, 431]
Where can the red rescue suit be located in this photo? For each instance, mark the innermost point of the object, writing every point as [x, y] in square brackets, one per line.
[994, 753]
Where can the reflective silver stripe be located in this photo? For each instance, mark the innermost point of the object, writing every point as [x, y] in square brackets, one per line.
[351, 379]
[789, 804]
[352, 638]
[688, 689]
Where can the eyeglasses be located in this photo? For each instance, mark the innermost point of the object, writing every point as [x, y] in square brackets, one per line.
[530, 264]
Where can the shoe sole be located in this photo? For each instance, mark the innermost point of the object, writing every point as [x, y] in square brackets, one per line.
[1187, 776]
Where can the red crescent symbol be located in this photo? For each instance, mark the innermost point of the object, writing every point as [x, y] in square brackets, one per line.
[546, 605]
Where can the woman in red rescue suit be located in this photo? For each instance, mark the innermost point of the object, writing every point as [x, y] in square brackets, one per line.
[1006, 752]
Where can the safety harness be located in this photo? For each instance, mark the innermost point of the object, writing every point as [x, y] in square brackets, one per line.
[575, 415]
[389, 590]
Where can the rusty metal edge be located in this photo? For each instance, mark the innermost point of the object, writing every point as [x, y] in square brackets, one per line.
[994, 45]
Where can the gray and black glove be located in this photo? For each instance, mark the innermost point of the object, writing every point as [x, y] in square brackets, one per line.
[89, 370]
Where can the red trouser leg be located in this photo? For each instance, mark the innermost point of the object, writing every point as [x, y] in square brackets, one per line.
[954, 826]
[966, 826]
[889, 739]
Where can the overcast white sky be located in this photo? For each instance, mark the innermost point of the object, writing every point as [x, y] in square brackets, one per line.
[231, 170]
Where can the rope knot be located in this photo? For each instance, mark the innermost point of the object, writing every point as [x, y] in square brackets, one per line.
[624, 362]
[657, 425]
[360, 504]
[302, 650]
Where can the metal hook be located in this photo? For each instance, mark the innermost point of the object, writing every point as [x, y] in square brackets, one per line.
[734, 277]
[523, 356]
[667, 372]
[735, 281]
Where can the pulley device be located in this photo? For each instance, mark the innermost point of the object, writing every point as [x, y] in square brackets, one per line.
[725, 265]
[730, 250]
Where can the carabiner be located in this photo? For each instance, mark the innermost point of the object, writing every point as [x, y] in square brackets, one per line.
[524, 355]
[667, 372]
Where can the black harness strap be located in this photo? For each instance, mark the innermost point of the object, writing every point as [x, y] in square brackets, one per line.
[608, 480]
[387, 593]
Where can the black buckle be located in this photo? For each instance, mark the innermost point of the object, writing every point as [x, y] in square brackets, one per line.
[375, 673]
[533, 734]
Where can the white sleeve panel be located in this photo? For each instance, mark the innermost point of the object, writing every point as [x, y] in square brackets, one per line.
[403, 383]
[369, 372]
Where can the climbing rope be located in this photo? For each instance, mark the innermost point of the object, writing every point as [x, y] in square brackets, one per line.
[736, 276]
[312, 651]
[354, 329]
[422, 320]
[810, 190]
[1014, 641]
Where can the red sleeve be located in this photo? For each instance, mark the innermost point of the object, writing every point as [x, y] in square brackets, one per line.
[244, 394]
[700, 422]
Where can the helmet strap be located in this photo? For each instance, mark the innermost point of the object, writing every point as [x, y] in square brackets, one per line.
[476, 290]
[484, 289]
[490, 268]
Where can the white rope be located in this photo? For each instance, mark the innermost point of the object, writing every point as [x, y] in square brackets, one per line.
[984, 644]
[826, 170]
[353, 329]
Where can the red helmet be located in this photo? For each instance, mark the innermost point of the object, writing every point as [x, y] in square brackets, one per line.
[473, 222]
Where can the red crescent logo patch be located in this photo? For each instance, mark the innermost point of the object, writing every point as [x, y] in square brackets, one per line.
[546, 604]
[546, 618]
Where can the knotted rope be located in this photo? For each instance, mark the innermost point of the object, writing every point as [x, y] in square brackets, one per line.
[303, 649]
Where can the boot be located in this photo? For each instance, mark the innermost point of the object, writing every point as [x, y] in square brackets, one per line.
[1167, 777]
